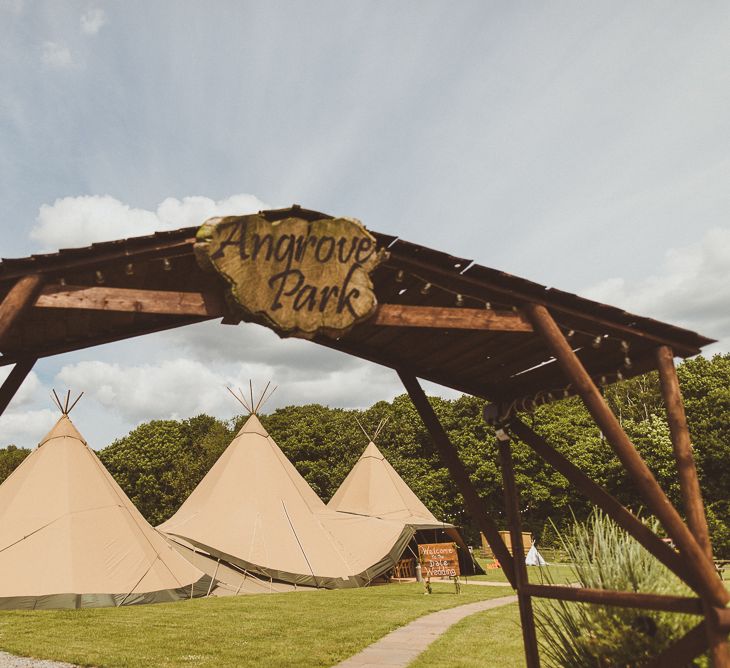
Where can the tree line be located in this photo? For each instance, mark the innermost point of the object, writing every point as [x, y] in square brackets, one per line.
[160, 462]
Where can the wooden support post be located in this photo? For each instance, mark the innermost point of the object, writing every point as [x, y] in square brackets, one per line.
[21, 295]
[657, 502]
[626, 599]
[512, 504]
[14, 381]
[609, 504]
[689, 484]
[451, 459]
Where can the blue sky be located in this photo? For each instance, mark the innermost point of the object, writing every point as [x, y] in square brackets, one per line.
[582, 145]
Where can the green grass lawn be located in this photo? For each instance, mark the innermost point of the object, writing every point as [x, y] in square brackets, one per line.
[490, 639]
[316, 628]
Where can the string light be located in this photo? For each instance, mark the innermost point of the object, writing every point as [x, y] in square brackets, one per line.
[597, 340]
[166, 264]
[129, 269]
[99, 277]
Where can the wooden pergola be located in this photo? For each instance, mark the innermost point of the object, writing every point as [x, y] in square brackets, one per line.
[512, 342]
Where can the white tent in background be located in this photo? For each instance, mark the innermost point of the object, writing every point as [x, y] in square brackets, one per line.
[533, 557]
[71, 538]
[254, 511]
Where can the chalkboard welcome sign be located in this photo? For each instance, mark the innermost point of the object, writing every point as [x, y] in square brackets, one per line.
[302, 277]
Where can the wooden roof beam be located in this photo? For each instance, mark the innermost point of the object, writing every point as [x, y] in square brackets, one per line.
[593, 322]
[211, 304]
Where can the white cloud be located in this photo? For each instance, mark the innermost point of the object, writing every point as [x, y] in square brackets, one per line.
[173, 388]
[93, 20]
[183, 387]
[12, 6]
[57, 56]
[79, 221]
[690, 288]
[26, 428]
[26, 392]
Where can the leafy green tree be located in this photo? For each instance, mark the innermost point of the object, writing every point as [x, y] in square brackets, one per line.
[159, 463]
[10, 458]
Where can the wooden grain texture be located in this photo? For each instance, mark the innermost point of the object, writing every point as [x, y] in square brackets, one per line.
[19, 297]
[131, 300]
[300, 276]
[444, 317]
[626, 599]
[656, 500]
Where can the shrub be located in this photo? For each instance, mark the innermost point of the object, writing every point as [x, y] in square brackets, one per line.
[604, 556]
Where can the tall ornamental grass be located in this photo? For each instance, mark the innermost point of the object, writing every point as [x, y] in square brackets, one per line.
[581, 635]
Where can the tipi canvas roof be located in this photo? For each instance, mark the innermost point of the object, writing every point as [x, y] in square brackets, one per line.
[70, 537]
[254, 510]
[374, 488]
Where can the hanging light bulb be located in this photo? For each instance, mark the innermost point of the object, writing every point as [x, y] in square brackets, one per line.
[619, 375]
[459, 300]
[399, 276]
[99, 277]
[129, 269]
[596, 342]
[624, 346]
[166, 265]
[571, 333]
[426, 288]
[488, 306]
[627, 362]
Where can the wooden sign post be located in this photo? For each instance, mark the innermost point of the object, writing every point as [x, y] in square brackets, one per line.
[302, 277]
[439, 560]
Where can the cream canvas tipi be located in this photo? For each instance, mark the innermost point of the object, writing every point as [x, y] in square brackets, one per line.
[255, 511]
[71, 538]
[373, 488]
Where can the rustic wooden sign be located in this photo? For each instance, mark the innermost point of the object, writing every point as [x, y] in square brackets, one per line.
[302, 277]
[439, 560]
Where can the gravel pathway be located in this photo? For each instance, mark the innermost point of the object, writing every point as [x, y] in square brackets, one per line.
[400, 647]
[12, 661]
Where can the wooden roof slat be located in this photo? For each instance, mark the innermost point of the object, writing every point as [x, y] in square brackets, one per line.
[478, 362]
